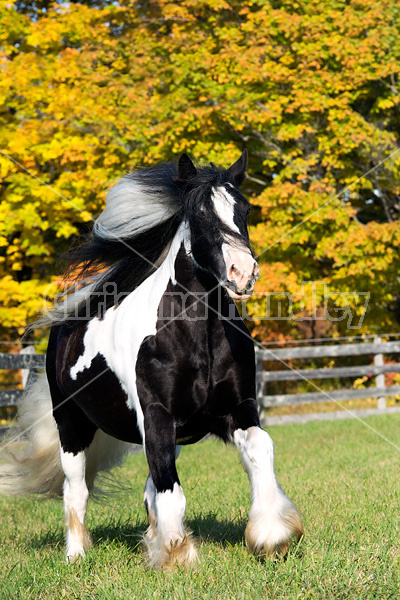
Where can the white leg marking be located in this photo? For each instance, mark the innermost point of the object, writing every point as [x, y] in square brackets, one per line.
[171, 545]
[76, 495]
[274, 520]
[149, 498]
[149, 502]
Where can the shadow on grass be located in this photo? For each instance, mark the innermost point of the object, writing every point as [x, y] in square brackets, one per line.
[210, 528]
[207, 528]
[126, 533]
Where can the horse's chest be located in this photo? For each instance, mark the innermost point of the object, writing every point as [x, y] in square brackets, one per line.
[174, 368]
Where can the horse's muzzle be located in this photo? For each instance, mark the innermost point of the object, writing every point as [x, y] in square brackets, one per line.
[240, 291]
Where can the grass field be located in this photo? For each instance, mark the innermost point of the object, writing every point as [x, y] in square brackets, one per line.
[343, 477]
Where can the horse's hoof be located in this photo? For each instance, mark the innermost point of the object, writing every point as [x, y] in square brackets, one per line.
[266, 536]
[177, 554]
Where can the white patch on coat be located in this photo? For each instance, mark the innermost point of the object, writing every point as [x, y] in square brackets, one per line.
[119, 335]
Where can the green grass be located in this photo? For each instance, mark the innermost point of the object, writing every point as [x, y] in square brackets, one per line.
[343, 477]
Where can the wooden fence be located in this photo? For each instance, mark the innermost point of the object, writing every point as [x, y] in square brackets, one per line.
[377, 369]
[28, 363]
[375, 350]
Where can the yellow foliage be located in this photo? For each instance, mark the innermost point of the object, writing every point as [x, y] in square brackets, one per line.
[89, 91]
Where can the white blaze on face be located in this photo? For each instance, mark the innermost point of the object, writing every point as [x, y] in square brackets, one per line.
[240, 265]
[224, 205]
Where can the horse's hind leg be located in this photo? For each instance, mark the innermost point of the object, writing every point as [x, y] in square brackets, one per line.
[274, 520]
[76, 433]
[76, 494]
[167, 542]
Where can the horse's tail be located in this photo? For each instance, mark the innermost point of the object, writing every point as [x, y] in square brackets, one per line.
[30, 453]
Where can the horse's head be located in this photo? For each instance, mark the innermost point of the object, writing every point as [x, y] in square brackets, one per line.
[217, 215]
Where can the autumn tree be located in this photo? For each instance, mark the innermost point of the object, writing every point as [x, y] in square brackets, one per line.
[90, 90]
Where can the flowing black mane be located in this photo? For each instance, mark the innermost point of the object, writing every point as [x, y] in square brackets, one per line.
[121, 256]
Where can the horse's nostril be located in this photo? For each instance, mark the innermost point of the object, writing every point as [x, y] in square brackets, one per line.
[234, 271]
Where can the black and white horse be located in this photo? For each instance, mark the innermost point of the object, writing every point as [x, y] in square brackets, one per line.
[152, 351]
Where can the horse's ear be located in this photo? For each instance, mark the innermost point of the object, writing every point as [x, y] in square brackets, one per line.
[186, 169]
[237, 171]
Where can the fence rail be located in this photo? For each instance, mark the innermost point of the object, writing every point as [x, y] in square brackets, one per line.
[21, 361]
[377, 350]
[330, 351]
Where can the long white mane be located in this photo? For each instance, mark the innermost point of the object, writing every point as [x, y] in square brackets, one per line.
[130, 210]
[134, 206]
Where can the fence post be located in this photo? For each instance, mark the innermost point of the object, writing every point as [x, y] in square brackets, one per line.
[26, 372]
[259, 384]
[380, 379]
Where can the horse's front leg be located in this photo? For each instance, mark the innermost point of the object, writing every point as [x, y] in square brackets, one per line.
[168, 543]
[274, 520]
